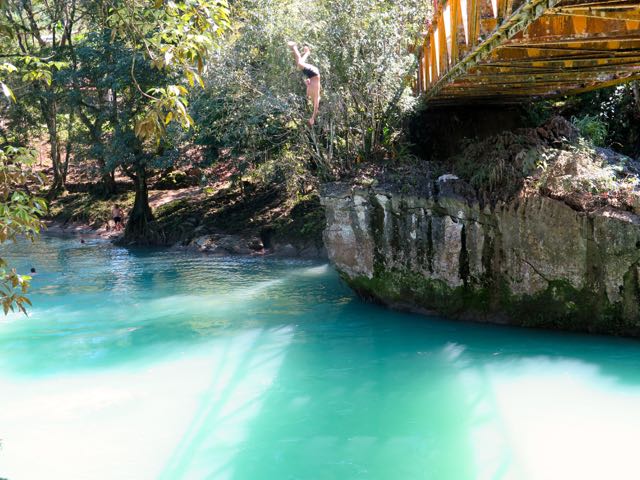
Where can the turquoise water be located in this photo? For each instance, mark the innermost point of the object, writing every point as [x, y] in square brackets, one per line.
[139, 364]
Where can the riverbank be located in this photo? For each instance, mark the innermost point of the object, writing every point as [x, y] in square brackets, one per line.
[535, 227]
[218, 220]
[79, 229]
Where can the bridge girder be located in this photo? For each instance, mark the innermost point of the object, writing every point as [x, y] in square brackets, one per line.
[505, 51]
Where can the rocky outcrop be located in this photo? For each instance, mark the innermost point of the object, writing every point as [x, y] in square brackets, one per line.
[532, 260]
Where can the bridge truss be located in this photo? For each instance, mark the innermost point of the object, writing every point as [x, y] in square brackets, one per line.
[506, 51]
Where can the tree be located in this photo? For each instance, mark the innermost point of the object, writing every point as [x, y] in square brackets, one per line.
[254, 102]
[113, 105]
[20, 209]
[165, 46]
[41, 32]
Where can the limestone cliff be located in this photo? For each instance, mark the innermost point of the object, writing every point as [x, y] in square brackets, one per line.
[528, 259]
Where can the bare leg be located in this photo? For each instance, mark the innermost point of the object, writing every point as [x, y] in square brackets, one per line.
[313, 92]
[306, 51]
[313, 84]
[300, 58]
[296, 53]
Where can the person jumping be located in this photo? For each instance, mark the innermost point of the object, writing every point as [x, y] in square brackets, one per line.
[312, 77]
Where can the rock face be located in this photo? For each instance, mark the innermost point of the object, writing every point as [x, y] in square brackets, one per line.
[532, 261]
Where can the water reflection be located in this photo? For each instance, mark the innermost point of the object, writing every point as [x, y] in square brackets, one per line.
[245, 369]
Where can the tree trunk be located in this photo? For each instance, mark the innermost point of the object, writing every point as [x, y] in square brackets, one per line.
[108, 184]
[636, 94]
[139, 228]
[49, 112]
[634, 134]
[68, 146]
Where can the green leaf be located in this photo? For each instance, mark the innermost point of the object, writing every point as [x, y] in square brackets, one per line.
[7, 91]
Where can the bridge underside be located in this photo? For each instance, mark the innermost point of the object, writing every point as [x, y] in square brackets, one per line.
[509, 51]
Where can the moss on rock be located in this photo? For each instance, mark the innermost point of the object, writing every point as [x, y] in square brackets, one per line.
[409, 289]
[559, 306]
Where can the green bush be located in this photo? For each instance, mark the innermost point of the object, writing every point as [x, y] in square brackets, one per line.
[592, 128]
[255, 107]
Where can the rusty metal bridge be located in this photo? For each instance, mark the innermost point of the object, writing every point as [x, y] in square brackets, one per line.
[507, 51]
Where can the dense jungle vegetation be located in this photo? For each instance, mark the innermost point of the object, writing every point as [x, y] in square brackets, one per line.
[117, 94]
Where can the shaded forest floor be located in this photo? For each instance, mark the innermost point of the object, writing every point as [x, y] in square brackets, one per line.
[185, 212]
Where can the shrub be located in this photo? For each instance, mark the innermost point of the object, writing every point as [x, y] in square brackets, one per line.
[255, 105]
[592, 128]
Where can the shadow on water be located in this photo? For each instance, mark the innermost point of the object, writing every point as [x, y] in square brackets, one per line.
[368, 393]
[350, 398]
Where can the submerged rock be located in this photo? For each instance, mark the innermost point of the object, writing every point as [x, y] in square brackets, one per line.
[537, 258]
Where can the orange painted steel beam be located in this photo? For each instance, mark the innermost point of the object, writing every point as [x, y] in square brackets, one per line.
[519, 20]
[521, 49]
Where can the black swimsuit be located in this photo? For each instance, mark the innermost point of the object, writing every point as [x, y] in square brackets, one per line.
[311, 71]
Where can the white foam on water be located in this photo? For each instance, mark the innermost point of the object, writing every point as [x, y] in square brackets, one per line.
[318, 271]
[149, 310]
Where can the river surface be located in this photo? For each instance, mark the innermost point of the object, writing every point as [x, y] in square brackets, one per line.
[151, 364]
